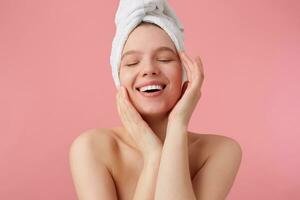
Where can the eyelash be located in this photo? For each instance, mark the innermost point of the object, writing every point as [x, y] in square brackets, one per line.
[164, 61]
[131, 64]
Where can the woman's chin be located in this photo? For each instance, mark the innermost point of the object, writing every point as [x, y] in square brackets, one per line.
[153, 108]
[153, 111]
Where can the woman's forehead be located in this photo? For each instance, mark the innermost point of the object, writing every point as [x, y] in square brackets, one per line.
[148, 37]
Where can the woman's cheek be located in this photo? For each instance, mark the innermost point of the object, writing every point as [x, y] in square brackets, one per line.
[124, 77]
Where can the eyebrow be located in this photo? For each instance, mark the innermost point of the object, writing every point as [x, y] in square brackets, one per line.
[158, 49]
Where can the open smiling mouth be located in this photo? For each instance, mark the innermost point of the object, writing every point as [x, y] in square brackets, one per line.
[151, 91]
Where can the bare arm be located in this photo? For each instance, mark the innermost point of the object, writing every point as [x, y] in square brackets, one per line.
[215, 179]
[147, 181]
[147, 143]
[91, 177]
[173, 181]
[212, 181]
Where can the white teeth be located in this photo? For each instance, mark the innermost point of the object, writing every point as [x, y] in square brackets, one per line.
[151, 87]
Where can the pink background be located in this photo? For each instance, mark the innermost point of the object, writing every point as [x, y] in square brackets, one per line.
[55, 82]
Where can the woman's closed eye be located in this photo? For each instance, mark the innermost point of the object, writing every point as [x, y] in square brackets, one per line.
[165, 60]
[160, 60]
[131, 64]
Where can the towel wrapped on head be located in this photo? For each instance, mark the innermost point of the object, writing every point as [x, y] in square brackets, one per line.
[130, 14]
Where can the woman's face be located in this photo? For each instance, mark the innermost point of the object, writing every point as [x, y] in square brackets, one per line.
[150, 55]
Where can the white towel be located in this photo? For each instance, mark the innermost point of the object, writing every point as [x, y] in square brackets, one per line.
[130, 14]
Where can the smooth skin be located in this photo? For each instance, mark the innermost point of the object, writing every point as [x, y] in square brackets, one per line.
[164, 148]
[175, 151]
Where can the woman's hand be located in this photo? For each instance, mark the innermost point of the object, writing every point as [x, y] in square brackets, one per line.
[191, 92]
[145, 139]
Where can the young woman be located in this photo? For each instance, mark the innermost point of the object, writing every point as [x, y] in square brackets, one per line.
[153, 155]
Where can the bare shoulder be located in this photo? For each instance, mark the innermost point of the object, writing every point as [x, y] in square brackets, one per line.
[90, 166]
[211, 143]
[96, 138]
[98, 143]
[214, 177]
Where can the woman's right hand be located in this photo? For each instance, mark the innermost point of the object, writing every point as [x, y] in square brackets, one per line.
[145, 139]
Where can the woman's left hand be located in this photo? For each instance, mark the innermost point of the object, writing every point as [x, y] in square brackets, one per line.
[191, 91]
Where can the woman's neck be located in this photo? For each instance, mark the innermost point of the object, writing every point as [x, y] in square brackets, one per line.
[158, 124]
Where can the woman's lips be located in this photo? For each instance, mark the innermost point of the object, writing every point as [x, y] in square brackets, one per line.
[151, 94]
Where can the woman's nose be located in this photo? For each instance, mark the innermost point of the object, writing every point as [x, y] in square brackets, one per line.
[149, 68]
